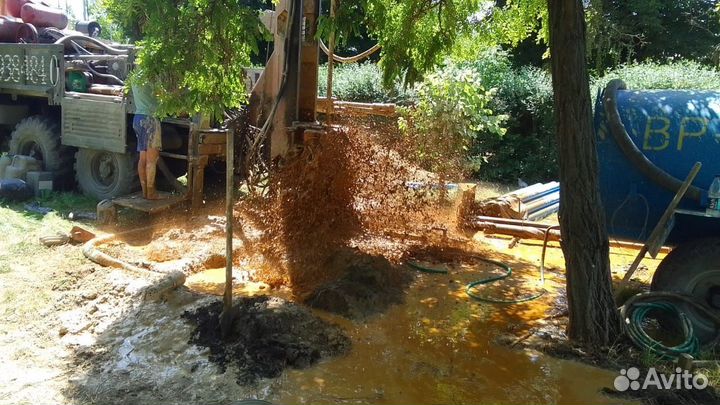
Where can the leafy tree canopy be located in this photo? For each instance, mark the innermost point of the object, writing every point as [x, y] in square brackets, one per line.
[417, 35]
[414, 34]
[192, 51]
[621, 31]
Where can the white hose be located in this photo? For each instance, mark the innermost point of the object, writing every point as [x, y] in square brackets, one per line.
[349, 59]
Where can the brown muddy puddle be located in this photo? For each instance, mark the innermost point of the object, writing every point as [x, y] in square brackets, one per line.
[212, 282]
[438, 347]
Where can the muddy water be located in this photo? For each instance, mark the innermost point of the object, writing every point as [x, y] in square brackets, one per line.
[212, 282]
[439, 347]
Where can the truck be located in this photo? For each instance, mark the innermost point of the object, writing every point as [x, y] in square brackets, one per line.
[648, 141]
[63, 101]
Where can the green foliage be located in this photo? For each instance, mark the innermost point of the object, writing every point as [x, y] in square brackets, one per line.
[620, 31]
[525, 95]
[687, 75]
[110, 30]
[361, 83]
[415, 35]
[451, 113]
[192, 51]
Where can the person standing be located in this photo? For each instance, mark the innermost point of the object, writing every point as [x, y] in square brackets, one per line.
[149, 137]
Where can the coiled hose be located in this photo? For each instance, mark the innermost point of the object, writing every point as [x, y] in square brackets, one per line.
[638, 307]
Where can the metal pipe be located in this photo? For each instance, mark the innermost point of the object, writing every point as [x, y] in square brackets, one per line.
[229, 192]
[331, 65]
[96, 57]
[92, 41]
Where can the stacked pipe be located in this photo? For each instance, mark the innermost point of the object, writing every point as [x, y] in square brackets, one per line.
[24, 17]
[533, 202]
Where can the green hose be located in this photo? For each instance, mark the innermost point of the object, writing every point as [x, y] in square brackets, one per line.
[637, 314]
[473, 285]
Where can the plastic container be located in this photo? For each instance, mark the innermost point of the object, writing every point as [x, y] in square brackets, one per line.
[26, 163]
[20, 166]
[43, 16]
[14, 173]
[5, 161]
[714, 197]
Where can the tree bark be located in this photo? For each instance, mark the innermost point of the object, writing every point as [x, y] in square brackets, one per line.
[594, 319]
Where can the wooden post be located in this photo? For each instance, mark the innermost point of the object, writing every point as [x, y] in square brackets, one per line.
[659, 229]
[226, 315]
[331, 66]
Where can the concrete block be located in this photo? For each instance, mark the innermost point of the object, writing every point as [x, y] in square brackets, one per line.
[41, 182]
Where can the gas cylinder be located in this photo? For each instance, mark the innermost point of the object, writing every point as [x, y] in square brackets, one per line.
[14, 30]
[8, 29]
[13, 7]
[43, 16]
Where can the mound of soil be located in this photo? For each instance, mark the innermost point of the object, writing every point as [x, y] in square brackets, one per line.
[368, 285]
[268, 335]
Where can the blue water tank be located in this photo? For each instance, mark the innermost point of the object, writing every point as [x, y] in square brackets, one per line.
[673, 129]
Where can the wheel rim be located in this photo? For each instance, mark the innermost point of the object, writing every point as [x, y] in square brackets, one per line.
[104, 169]
[705, 287]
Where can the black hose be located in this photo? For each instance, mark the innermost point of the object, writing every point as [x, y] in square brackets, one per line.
[94, 41]
[631, 152]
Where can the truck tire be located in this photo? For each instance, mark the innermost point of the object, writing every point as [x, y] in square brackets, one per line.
[104, 175]
[39, 137]
[693, 268]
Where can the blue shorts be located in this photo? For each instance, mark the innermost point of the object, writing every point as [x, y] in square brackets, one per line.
[147, 130]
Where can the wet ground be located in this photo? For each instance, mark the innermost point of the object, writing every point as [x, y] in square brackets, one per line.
[439, 346]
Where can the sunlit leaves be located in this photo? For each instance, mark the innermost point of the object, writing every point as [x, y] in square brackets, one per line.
[193, 51]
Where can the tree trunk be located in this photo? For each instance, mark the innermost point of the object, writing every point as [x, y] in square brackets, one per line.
[594, 319]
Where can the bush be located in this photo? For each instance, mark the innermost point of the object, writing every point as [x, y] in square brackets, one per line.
[450, 115]
[528, 150]
[682, 75]
[361, 83]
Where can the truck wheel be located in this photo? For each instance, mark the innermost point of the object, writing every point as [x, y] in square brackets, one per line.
[39, 137]
[105, 175]
[693, 268]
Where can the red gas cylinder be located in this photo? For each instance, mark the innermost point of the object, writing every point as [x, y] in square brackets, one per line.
[13, 7]
[14, 30]
[43, 16]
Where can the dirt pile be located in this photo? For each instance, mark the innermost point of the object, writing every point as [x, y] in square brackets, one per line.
[268, 335]
[367, 285]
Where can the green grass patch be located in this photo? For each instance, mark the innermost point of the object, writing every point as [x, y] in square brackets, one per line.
[66, 203]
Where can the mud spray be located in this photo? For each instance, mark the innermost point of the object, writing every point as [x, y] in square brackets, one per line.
[340, 202]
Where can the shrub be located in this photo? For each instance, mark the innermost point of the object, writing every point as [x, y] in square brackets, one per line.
[525, 95]
[682, 74]
[361, 83]
[450, 115]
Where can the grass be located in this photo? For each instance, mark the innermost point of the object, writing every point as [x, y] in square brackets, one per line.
[66, 203]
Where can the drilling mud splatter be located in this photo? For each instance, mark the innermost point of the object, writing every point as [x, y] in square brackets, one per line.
[343, 188]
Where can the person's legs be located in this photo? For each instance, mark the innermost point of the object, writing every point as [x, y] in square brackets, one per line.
[151, 159]
[153, 153]
[141, 173]
[142, 143]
